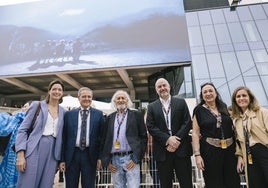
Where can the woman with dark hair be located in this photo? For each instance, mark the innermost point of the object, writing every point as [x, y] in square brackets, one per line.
[213, 140]
[251, 125]
[38, 147]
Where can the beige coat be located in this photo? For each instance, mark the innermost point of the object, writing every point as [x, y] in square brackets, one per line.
[257, 127]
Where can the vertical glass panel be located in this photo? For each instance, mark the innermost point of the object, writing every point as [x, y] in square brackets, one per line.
[231, 66]
[230, 16]
[204, 18]
[187, 74]
[244, 13]
[251, 31]
[189, 89]
[260, 56]
[215, 66]
[192, 19]
[265, 82]
[262, 68]
[262, 26]
[265, 6]
[195, 38]
[245, 61]
[226, 47]
[235, 83]
[197, 50]
[200, 67]
[251, 72]
[254, 84]
[236, 32]
[212, 49]
[208, 35]
[257, 12]
[217, 16]
[222, 34]
[223, 90]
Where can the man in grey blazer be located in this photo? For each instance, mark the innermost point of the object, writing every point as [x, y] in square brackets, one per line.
[82, 157]
[124, 142]
[169, 123]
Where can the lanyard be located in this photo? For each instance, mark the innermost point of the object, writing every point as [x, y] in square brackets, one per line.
[219, 121]
[245, 130]
[120, 122]
[166, 112]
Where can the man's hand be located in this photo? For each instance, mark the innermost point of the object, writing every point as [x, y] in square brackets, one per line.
[62, 166]
[98, 164]
[173, 142]
[131, 165]
[112, 168]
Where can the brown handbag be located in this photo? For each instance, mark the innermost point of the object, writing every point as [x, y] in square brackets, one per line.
[34, 119]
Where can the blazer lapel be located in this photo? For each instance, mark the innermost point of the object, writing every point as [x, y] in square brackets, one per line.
[92, 115]
[129, 118]
[160, 111]
[111, 123]
[75, 121]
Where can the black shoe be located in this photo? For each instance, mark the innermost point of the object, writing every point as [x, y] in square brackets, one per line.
[61, 180]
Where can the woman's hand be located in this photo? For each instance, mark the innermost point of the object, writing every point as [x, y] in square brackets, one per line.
[199, 162]
[21, 161]
[240, 165]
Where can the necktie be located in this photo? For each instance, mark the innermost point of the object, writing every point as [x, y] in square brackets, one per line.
[83, 129]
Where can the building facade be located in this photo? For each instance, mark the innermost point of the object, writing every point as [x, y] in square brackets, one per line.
[229, 48]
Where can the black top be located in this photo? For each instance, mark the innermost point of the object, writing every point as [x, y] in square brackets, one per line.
[207, 123]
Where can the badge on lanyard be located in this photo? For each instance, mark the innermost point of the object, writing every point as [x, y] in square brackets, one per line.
[223, 144]
[250, 160]
[117, 144]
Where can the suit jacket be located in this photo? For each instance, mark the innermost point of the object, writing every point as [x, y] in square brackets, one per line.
[70, 133]
[180, 126]
[136, 135]
[22, 143]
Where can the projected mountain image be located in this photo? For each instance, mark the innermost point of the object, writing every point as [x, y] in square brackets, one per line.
[143, 35]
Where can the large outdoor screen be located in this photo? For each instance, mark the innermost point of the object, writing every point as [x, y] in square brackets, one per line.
[73, 35]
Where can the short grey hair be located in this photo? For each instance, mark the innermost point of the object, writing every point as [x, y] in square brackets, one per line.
[83, 89]
[129, 103]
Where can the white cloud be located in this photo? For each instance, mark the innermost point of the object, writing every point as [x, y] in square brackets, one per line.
[71, 12]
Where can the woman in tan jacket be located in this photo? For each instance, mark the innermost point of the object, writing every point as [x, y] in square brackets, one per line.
[251, 125]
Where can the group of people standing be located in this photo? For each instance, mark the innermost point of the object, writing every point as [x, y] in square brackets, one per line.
[80, 141]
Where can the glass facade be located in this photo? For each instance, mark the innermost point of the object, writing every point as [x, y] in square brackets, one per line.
[229, 48]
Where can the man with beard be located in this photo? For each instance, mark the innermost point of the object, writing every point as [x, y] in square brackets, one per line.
[169, 122]
[124, 142]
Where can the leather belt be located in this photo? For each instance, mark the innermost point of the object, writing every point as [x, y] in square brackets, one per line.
[217, 142]
[122, 153]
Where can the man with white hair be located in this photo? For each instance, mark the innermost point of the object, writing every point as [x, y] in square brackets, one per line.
[124, 142]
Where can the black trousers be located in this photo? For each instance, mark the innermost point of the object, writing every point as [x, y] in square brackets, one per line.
[182, 167]
[220, 167]
[258, 171]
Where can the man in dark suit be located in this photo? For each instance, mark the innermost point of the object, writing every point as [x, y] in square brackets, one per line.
[124, 142]
[81, 142]
[169, 122]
